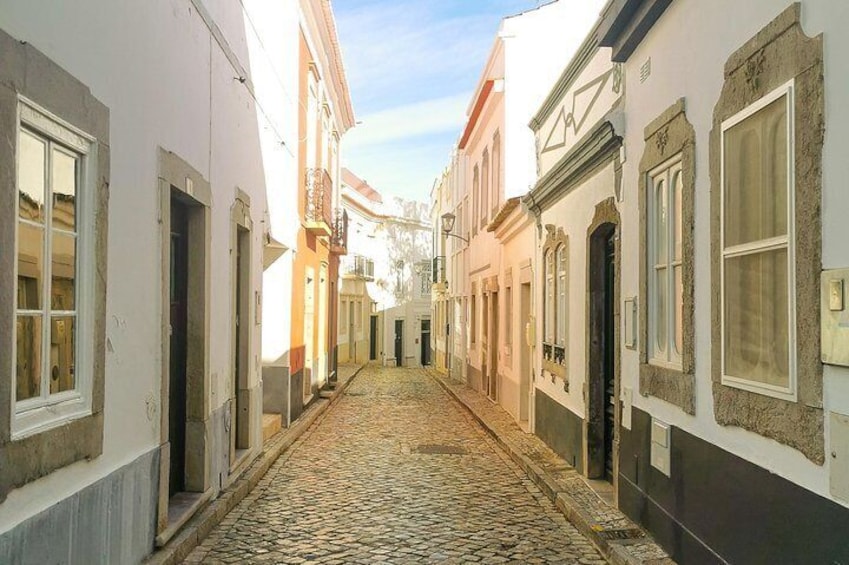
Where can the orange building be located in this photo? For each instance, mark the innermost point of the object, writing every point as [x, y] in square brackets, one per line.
[325, 114]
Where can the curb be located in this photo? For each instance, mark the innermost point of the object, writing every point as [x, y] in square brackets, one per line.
[202, 523]
[616, 554]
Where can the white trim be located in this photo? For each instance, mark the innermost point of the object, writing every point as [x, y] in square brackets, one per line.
[790, 392]
[664, 173]
[35, 415]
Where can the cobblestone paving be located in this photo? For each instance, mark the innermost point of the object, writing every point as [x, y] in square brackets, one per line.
[396, 472]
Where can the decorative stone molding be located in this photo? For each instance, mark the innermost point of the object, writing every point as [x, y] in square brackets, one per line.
[668, 135]
[778, 53]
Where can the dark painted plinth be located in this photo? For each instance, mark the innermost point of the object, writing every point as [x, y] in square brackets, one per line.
[560, 428]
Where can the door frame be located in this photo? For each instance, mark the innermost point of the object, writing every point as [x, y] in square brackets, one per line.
[395, 341]
[241, 405]
[605, 225]
[177, 179]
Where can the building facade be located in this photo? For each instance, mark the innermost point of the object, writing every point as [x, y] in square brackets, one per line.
[324, 113]
[384, 296]
[149, 177]
[732, 358]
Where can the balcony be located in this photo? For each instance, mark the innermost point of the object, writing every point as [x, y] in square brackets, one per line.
[339, 238]
[358, 267]
[317, 212]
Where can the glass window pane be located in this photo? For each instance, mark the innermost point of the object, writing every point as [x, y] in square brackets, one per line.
[756, 318]
[30, 266]
[64, 190]
[660, 313]
[64, 267]
[676, 205]
[28, 357]
[62, 354]
[661, 223]
[679, 310]
[755, 190]
[31, 151]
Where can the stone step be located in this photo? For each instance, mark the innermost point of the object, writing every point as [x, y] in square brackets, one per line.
[271, 424]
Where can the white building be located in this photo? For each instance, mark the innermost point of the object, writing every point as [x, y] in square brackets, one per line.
[497, 154]
[385, 280]
[167, 130]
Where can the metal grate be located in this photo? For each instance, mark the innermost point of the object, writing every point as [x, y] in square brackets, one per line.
[436, 449]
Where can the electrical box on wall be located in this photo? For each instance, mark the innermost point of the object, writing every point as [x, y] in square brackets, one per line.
[660, 446]
[834, 317]
[839, 455]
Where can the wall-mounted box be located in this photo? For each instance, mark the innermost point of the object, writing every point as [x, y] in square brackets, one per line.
[834, 317]
[660, 447]
[630, 322]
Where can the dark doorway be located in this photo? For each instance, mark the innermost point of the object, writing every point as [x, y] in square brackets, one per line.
[399, 343]
[179, 278]
[372, 344]
[602, 329]
[425, 340]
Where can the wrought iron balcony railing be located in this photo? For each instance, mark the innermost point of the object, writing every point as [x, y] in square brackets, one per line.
[317, 212]
[359, 267]
[339, 238]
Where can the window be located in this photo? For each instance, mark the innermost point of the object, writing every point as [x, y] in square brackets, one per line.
[473, 318]
[496, 172]
[476, 198]
[549, 305]
[560, 316]
[758, 322]
[666, 289]
[508, 316]
[52, 317]
[484, 187]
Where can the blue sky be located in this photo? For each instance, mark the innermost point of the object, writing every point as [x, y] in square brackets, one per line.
[412, 67]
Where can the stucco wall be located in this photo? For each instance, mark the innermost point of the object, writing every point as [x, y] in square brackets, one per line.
[168, 83]
[694, 69]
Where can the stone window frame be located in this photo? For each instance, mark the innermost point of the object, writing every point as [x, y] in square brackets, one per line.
[495, 172]
[484, 188]
[29, 74]
[554, 356]
[777, 54]
[476, 196]
[667, 137]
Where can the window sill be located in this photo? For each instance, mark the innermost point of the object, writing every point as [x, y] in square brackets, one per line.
[181, 507]
[786, 394]
[44, 418]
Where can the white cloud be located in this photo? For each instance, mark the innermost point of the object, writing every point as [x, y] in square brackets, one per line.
[409, 121]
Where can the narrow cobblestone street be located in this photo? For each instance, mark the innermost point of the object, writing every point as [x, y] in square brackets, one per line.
[396, 472]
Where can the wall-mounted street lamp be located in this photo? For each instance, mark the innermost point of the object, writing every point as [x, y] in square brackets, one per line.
[448, 220]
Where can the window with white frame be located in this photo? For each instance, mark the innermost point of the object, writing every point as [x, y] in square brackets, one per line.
[758, 286]
[548, 307]
[560, 300]
[666, 287]
[52, 315]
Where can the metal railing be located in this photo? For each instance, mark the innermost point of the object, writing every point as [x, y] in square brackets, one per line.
[319, 191]
[339, 235]
[359, 266]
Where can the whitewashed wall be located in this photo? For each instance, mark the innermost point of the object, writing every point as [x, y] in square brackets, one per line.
[694, 69]
[167, 84]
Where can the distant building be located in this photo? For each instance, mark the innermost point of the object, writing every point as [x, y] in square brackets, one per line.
[384, 297]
